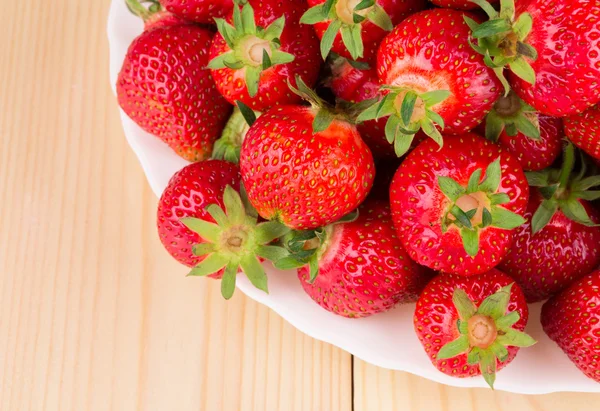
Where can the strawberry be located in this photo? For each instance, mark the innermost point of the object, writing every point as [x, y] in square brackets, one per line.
[196, 231]
[450, 215]
[362, 267]
[188, 194]
[533, 138]
[457, 4]
[176, 102]
[571, 320]
[200, 11]
[356, 85]
[354, 28]
[253, 60]
[432, 79]
[472, 325]
[584, 130]
[559, 242]
[305, 176]
[549, 49]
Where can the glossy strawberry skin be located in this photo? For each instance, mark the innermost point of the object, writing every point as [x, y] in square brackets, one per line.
[305, 180]
[430, 51]
[296, 39]
[436, 316]
[572, 320]
[178, 103]
[584, 130]
[536, 155]
[188, 193]
[372, 35]
[457, 4]
[566, 36]
[200, 11]
[354, 86]
[545, 263]
[163, 19]
[418, 204]
[364, 269]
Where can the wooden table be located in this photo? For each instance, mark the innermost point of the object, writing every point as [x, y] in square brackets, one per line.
[94, 315]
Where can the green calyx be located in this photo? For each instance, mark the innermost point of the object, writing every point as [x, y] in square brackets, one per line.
[501, 40]
[346, 17]
[235, 241]
[485, 332]
[407, 112]
[137, 7]
[306, 247]
[229, 145]
[253, 48]
[477, 206]
[325, 113]
[564, 191]
[512, 115]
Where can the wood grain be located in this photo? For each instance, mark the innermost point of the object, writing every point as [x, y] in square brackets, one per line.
[94, 315]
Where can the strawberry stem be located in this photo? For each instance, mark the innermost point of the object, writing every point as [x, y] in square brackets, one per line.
[485, 332]
[145, 13]
[236, 241]
[345, 17]
[253, 48]
[407, 112]
[477, 206]
[501, 40]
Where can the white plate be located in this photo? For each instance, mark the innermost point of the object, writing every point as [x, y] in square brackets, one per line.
[386, 340]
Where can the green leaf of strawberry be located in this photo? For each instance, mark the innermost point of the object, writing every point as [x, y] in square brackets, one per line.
[485, 332]
[501, 41]
[252, 47]
[346, 19]
[235, 241]
[563, 191]
[407, 112]
[477, 206]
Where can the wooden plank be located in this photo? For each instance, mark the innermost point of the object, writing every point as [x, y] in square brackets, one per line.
[94, 315]
[384, 390]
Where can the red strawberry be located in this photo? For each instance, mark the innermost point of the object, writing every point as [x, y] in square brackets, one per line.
[304, 166]
[550, 50]
[533, 138]
[457, 4]
[536, 154]
[571, 320]
[201, 11]
[549, 260]
[472, 325]
[356, 85]
[188, 194]
[584, 131]
[354, 28]
[253, 60]
[451, 215]
[559, 242]
[362, 267]
[432, 78]
[203, 223]
[176, 102]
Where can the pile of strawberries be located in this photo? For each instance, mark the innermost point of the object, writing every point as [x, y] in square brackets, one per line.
[390, 151]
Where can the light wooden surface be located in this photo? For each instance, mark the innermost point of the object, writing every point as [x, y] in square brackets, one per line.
[94, 315]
